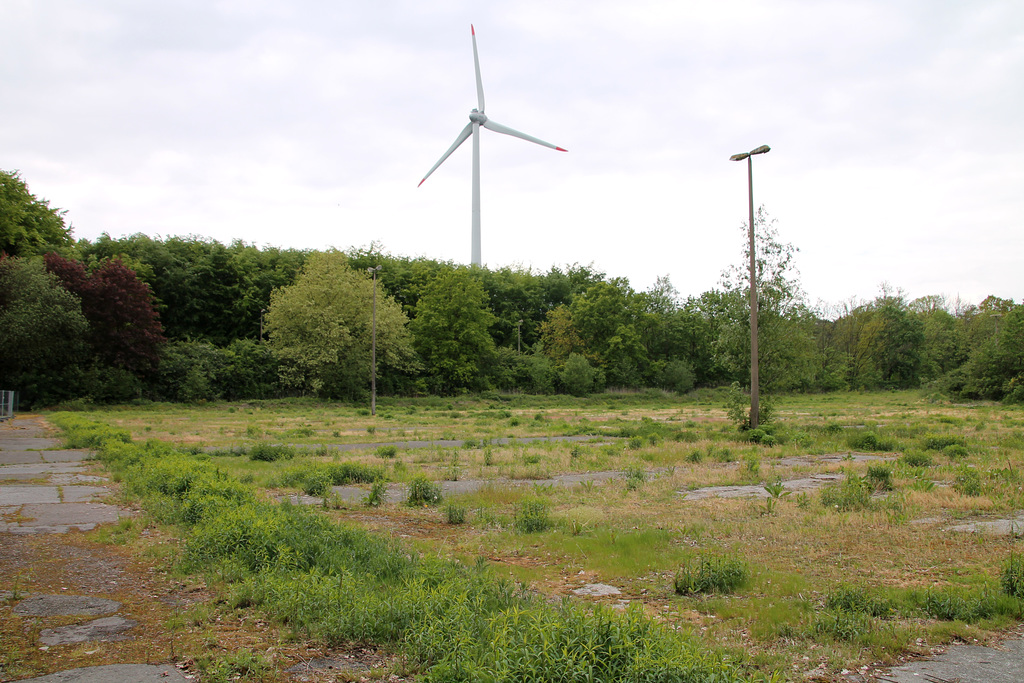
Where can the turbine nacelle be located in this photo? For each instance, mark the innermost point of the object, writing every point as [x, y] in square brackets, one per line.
[478, 117]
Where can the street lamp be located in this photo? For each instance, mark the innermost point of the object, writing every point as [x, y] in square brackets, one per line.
[262, 311]
[519, 336]
[373, 344]
[754, 381]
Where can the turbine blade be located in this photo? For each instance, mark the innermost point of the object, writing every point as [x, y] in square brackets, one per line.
[479, 81]
[491, 124]
[463, 136]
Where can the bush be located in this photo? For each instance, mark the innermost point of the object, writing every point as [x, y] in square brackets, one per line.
[532, 516]
[266, 452]
[868, 441]
[711, 575]
[578, 375]
[386, 451]
[422, 491]
[852, 494]
[879, 477]
[967, 482]
[938, 442]
[955, 451]
[916, 459]
[677, 376]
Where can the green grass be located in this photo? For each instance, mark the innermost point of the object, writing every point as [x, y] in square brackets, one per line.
[637, 532]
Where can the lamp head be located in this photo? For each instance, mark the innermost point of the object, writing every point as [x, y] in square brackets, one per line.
[760, 150]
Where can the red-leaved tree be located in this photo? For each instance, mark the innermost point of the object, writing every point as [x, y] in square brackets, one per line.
[124, 326]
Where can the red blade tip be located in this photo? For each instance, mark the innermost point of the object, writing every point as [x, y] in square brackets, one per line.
[561, 150]
[472, 29]
[422, 181]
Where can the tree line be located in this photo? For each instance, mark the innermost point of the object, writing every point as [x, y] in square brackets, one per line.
[192, 319]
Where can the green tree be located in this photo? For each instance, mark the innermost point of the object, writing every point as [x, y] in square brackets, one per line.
[606, 316]
[42, 333]
[320, 329]
[28, 226]
[785, 338]
[891, 343]
[451, 332]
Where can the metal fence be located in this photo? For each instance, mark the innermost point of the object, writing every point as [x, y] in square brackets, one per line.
[8, 404]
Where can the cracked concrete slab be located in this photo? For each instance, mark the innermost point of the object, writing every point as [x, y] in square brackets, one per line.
[104, 629]
[758, 491]
[63, 605]
[9, 442]
[23, 495]
[1013, 526]
[115, 673]
[57, 518]
[966, 664]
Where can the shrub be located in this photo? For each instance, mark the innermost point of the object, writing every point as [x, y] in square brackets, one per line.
[938, 442]
[967, 482]
[868, 441]
[386, 451]
[916, 459]
[711, 575]
[422, 491]
[266, 452]
[955, 451]
[879, 477]
[578, 375]
[531, 516]
[852, 494]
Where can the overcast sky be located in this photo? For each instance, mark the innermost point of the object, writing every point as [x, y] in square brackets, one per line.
[896, 129]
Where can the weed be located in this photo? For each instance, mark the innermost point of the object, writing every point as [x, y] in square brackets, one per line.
[967, 482]
[1012, 578]
[532, 515]
[857, 600]
[852, 494]
[454, 513]
[711, 575]
[842, 626]
[879, 477]
[868, 441]
[265, 452]
[752, 464]
[636, 476]
[938, 442]
[955, 451]
[422, 491]
[776, 490]
[916, 459]
[377, 495]
[386, 451]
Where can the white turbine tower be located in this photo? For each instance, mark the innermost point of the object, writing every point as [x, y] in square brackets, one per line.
[477, 118]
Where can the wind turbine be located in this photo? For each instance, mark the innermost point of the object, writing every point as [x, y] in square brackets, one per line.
[477, 118]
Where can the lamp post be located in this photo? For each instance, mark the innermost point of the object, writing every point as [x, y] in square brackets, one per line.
[519, 336]
[262, 311]
[373, 344]
[754, 380]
